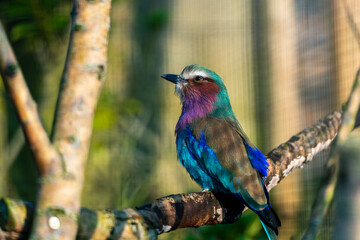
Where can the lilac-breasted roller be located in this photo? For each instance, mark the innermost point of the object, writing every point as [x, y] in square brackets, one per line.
[214, 148]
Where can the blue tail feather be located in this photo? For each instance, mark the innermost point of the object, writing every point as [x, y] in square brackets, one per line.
[268, 218]
[269, 232]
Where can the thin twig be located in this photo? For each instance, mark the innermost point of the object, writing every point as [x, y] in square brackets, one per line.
[25, 106]
[13, 148]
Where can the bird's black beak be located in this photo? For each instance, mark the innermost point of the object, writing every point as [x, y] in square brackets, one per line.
[171, 77]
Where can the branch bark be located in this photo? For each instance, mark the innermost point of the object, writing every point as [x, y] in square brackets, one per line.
[61, 163]
[59, 195]
[192, 209]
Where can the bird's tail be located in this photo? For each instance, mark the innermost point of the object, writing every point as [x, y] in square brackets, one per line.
[269, 218]
[270, 221]
[269, 232]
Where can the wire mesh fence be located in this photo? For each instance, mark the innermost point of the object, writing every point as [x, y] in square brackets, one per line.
[285, 66]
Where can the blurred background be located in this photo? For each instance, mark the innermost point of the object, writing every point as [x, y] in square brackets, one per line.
[285, 66]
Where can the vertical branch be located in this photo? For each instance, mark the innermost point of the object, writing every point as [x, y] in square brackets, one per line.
[326, 192]
[347, 214]
[83, 77]
[61, 166]
[59, 195]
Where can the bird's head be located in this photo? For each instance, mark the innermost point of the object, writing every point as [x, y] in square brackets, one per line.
[196, 83]
[201, 91]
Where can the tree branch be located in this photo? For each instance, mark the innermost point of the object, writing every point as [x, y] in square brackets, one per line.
[26, 109]
[301, 148]
[192, 209]
[59, 195]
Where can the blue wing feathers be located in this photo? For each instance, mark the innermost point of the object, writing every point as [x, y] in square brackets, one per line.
[257, 159]
[188, 159]
[208, 174]
[203, 166]
[191, 153]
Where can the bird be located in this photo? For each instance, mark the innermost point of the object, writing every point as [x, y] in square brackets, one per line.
[213, 147]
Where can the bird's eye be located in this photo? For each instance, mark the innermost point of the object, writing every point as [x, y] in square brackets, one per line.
[198, 78]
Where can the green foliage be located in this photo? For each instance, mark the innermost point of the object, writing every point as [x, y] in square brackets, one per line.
[35, 19]
[22, 176]
[106, 118]
[156, 19]
[246, 228]
[111, 170]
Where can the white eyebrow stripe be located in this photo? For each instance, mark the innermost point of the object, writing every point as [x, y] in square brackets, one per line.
[198, 73]
[189, 75]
